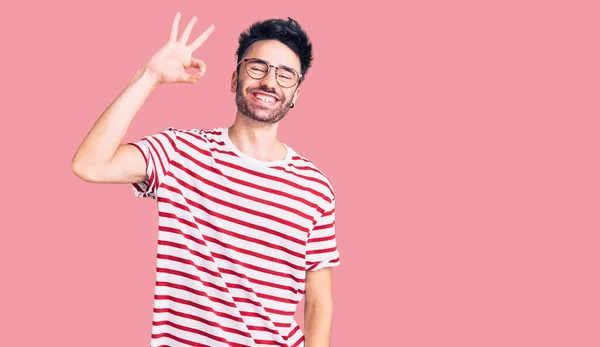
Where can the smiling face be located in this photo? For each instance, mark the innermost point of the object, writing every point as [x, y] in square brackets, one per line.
[264, 100]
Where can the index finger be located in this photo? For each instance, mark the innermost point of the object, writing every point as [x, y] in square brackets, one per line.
[200, 40]
[175, 27]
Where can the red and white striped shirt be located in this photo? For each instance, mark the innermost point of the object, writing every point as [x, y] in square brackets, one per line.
[235, 238]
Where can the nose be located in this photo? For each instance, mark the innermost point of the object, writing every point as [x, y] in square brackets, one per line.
[270, 80]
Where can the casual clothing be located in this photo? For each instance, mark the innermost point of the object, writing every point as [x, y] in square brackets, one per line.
[235, 237]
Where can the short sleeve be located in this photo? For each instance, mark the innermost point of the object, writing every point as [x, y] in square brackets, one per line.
[322, 248]
[158, 151]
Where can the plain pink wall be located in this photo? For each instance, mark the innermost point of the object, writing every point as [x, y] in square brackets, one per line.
[461, 139]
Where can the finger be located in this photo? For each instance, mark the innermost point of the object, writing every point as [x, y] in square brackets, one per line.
[191, 78]
[188, 30]
[200, 40]
[175, 27]
[198, 64]
[195, 78]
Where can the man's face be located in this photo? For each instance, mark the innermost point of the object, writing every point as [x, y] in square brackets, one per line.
[264, 100]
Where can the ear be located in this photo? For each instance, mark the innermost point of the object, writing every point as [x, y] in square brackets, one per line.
[296, 94]
[234, 82]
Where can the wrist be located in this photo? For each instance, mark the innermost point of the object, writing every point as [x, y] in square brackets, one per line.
[146, 75]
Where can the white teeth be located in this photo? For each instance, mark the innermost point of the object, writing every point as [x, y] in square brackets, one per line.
[265, 98]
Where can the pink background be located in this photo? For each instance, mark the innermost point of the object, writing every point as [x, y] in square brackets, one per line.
[461, 139]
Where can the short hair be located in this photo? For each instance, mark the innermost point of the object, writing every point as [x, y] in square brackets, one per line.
[287, 32]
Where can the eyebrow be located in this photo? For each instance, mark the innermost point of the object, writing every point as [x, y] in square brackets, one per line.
[291, 69]
[287, 68]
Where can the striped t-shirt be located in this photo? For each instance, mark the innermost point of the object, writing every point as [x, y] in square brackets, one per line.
[235, 238]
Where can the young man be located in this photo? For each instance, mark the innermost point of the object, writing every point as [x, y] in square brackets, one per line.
[246, 224]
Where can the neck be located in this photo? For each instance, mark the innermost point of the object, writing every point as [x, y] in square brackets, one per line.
[255, 139]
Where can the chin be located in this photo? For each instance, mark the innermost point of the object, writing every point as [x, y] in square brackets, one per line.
[264, 118]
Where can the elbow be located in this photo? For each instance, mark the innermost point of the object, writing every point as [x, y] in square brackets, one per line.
[322, 305]
[83, 171]
[80, 172]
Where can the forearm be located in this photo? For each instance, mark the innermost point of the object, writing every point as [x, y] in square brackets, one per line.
[318, 318]
[105, 137]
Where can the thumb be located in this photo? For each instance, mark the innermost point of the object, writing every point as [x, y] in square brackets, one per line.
[192, 78]
[199, 64]
[195, 77]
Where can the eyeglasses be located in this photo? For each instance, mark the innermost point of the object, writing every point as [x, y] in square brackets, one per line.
[258, 69]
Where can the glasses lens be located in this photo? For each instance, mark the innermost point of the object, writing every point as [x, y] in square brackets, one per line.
[257, 68]
[286, 77]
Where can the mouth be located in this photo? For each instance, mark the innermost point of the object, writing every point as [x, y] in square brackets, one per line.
[265, 99]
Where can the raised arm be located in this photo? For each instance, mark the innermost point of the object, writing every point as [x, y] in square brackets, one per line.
[102, 157]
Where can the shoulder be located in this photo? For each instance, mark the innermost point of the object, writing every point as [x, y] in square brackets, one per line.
[311, 169]
[188, 134]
